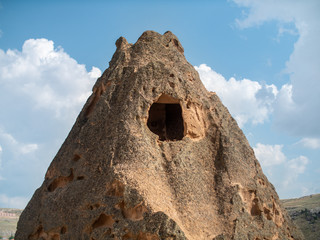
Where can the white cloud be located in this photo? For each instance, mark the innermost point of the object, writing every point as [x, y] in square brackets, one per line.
[295, 167]
[298, 165]
[282, 172]
[94, 73]
[28, 148]
[13, 202]
[17, 147]
[313, 143]
[47, 77]
[269, 155]
[248, 101]
[8, 138]
[297, 113]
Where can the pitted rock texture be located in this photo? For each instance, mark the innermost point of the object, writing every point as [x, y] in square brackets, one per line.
[154, 155]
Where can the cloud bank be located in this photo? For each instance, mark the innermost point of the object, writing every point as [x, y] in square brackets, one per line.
[294, 105]
[312, 143]
[248, 101]
[49, 78]
[297, 107]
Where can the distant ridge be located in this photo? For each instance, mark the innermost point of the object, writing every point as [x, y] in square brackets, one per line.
[305, 213]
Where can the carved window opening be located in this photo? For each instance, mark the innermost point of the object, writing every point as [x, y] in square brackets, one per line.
[165, 119]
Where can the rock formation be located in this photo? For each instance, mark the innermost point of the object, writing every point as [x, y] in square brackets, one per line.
[153, 155]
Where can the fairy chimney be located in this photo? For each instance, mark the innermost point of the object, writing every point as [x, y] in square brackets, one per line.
[153, 155]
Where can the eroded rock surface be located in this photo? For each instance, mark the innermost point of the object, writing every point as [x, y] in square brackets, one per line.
[154, 155]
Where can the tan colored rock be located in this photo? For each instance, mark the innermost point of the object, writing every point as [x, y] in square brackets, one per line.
[154, 155]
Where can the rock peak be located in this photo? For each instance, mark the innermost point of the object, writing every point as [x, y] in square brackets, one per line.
[154, 155]
[168, 39]
[121, 42]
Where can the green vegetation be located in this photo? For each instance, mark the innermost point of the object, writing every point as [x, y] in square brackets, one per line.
[305, 212]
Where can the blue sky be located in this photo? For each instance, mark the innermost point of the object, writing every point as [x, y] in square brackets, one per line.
[261, 57]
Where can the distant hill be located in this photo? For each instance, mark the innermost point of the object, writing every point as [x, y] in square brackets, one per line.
[305, 212]
[8, 221]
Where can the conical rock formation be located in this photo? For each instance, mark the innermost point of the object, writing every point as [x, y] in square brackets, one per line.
[154, 155]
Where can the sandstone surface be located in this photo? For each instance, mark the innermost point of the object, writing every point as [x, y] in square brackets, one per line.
[154, 155]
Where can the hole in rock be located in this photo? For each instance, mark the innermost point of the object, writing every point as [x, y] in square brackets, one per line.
[103, 220]
[165, 119]
[255, 209]
[63, 230]
[60, 181]
[37, 233]
[267, 213]
[76, 157]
